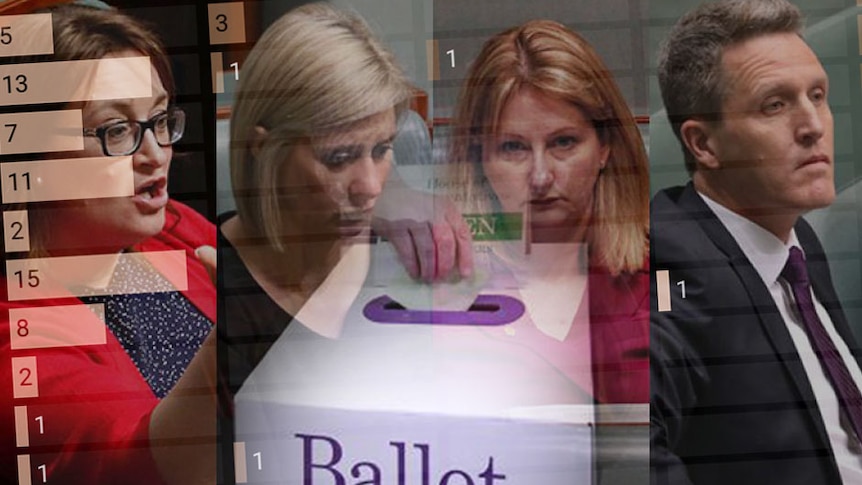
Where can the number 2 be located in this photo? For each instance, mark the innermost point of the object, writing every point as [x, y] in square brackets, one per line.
[26, 380]
[222, 22]
[18, 228]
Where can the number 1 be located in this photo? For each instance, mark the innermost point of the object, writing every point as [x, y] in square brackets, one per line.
[235, 66]
[44, 476]
[682, 285]
[257, 455]
[451, 53]
[41, 424]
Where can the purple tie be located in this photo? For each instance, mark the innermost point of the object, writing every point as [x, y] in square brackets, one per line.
[796, 273]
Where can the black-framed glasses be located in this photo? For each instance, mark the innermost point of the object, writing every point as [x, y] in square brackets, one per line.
[124, 137]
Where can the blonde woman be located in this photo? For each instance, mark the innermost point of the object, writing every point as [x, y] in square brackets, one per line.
[541, 129]
[311, 131]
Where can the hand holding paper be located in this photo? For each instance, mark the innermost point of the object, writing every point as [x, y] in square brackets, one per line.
[427, 231]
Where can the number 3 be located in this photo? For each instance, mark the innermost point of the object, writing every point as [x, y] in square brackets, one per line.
[222, 22]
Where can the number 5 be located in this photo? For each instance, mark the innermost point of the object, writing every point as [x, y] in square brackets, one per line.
[5, 36]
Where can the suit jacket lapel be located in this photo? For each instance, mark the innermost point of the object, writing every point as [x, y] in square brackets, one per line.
[770, 319]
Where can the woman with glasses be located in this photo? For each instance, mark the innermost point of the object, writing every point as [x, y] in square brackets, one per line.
[117, 411]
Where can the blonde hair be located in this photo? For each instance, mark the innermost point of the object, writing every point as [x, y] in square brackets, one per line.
[548, 57]
[315, 69]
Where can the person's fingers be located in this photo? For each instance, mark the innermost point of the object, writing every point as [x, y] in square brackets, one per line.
[208, 256]
[423, 243]
[444, 242]
[402, 241]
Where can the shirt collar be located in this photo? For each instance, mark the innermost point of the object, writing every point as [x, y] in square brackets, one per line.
[764, 250]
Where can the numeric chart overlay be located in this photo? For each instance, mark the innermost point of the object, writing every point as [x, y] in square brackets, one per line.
[662, 280]
[22, 427]
[432, 49]
[240, 467]
[217, 66]
[66, 81]
[24, 470]
[16, 231]
[67, 179]
[57, 326]
[227, 23]
[26, 35]
[39, 278]
[38, 132]
[25, 381]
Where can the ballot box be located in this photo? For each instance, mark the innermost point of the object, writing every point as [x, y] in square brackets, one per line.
[362, 389]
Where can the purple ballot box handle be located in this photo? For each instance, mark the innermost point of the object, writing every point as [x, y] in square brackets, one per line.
[487, 310]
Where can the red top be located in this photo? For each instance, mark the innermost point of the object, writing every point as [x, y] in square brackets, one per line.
[619, 330]
[94, 404]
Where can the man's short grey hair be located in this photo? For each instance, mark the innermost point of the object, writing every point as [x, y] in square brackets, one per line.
[690, 71]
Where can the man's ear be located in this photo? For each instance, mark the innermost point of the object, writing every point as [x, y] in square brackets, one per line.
[258, 136]
[699, 138]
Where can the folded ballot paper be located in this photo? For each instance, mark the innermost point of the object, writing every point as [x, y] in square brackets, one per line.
[458, 393]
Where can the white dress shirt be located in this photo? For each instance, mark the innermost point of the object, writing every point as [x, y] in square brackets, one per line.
[768, 255]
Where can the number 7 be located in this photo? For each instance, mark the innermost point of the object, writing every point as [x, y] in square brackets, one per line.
[11, 133]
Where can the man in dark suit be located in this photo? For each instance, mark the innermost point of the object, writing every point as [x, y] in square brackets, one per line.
[754, 371]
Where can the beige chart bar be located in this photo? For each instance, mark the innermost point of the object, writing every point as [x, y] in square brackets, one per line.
[240, 464]
[67, 276]
[16, 231]
[22, 429]
[40, 132]
[26, 35]
[217, 66]
[25, 381]
[67, 179]
[24, 470]
[662, 281]
[58, 326]
[432, 50]
[65, 81]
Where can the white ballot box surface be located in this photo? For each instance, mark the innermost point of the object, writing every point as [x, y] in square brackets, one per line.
[380, 398]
